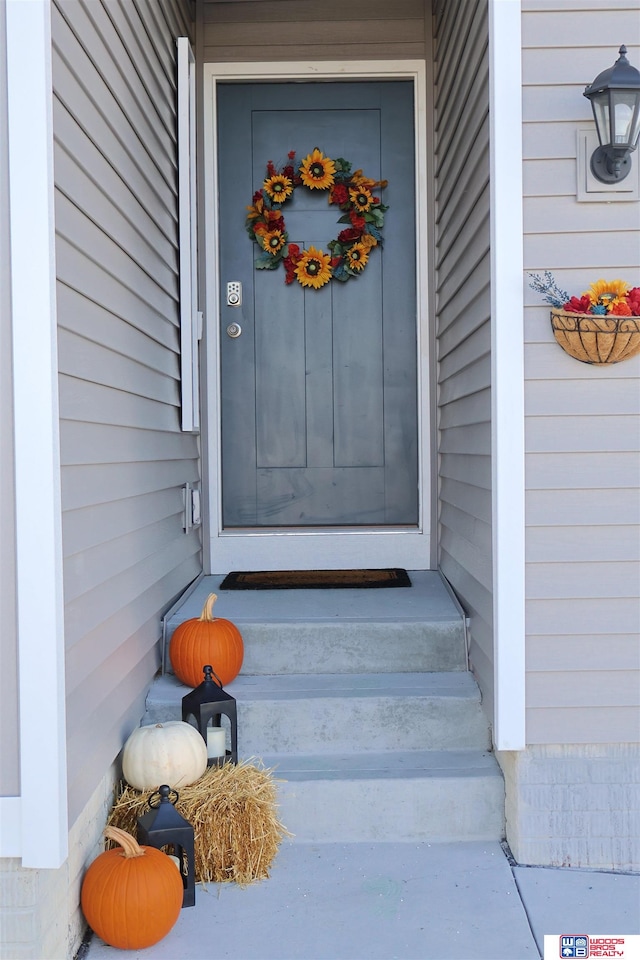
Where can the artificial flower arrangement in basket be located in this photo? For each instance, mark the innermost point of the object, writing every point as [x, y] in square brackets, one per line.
[601, 326]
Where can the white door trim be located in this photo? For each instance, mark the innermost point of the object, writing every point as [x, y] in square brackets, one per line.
[287, 548]
[187, 244]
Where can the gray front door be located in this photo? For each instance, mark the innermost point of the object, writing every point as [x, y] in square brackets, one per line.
[318, 392]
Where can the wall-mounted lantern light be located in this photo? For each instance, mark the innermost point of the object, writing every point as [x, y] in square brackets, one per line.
[615, 100]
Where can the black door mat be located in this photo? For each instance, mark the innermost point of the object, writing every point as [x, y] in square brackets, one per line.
[315, 579]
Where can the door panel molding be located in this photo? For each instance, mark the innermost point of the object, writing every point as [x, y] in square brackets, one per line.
[318, 547]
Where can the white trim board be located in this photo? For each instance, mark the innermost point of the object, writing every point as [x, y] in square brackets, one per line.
[35, 826]
[230, 550]
[187, 221]
[10, 826]
[507, 374]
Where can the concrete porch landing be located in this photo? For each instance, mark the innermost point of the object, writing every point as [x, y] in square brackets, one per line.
[277, 624]
[394, 901]
[427, 597]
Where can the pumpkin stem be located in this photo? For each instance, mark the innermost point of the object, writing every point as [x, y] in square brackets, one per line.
[130, 846]
[207, 611]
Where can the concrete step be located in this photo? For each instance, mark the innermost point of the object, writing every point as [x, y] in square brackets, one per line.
[321, 713]
[286, 647]
[408, 630]
[403, 796]
[361, 702]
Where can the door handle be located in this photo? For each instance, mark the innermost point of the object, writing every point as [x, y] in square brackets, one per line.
[234, 330]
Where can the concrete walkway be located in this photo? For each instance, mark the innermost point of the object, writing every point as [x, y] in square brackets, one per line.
[401, 901]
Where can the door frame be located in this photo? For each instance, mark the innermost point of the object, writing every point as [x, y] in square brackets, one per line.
[300, 548]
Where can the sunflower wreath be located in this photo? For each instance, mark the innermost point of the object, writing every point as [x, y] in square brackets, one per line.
[351, 191]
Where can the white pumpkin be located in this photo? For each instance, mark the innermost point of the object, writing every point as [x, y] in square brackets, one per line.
[173, 753]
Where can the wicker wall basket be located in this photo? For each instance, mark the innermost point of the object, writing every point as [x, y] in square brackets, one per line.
[596, 339]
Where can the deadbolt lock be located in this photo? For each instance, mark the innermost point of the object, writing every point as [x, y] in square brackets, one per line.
[234, 293]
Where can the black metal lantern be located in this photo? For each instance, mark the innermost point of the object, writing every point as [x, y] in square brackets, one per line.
[615, 101]
[162, 826]
[208, 702]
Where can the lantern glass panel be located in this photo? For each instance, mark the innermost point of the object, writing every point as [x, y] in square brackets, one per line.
[635, 126]
[624, 102]
[600, 104]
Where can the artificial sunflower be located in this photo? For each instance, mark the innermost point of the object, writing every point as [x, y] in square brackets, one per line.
[313, 269]
[357, 256]
[273, 241]
[361, 199]
[278, 187]
[317, 171]
[606, 293]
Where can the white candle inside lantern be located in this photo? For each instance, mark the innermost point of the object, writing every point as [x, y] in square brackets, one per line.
[216, 742]
[175, 860]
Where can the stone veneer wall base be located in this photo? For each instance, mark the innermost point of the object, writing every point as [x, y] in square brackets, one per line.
[574, 805]
[40, 913]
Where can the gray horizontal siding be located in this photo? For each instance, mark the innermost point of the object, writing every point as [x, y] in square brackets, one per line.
[124, 457]
[9, 757]
[556, 652]
[261, 30]
[463, 318]
[582, 422]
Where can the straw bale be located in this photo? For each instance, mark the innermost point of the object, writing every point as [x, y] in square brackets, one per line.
[233, 812]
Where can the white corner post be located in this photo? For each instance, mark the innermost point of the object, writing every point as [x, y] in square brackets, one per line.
[43, 834]
[507, 379]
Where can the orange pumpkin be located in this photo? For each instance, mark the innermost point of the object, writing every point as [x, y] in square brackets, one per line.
[206, 639]
[131, 896]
